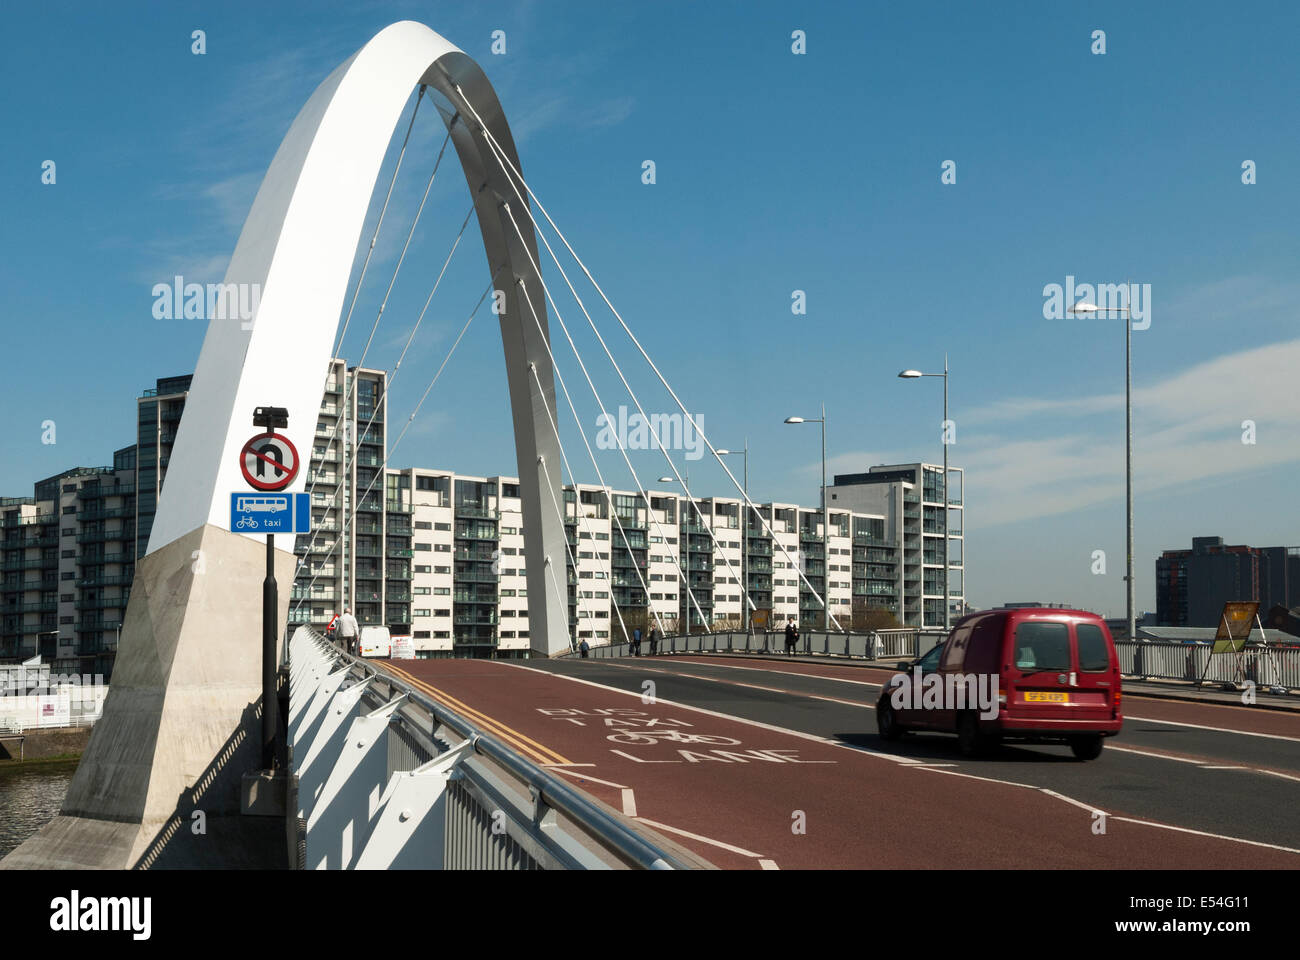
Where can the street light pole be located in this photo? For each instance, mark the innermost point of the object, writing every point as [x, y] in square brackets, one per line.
[943, 435]
[1130, 591]
[826, 517]
[748, 608]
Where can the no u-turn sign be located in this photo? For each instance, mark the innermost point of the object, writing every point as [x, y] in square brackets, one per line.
[269, 461]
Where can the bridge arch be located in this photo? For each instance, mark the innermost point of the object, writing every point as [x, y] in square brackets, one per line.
[298, 245]
[178, 731]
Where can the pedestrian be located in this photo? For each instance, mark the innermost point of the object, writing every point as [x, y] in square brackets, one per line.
[655, 636]
[346, 627]
[791, 635]
[636, 642]
[585, 647]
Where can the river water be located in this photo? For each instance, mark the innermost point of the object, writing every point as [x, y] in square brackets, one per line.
[30, 797]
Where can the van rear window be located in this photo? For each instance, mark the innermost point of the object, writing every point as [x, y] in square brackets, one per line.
[1094, 654]
[1042, 646]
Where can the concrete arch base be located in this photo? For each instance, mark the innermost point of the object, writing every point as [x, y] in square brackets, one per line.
[177, 694]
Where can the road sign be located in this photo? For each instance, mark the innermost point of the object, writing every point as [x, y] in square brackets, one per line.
[269, 461]
[270, 512]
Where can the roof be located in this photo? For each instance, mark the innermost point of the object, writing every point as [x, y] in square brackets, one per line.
[1186, 634]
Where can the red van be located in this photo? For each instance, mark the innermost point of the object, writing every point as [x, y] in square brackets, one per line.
[1058, 681]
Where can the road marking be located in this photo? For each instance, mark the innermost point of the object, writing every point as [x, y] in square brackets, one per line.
[1208, 767]
[587, 776]
[1092, 809]
[629, 802]
[752, 686]
[723, 716]
[1158, 756]
[1201, 726]
[791, 673]
[695, 836]
[768, 865]
[526, 744]
[1202, 833]
[568, 765]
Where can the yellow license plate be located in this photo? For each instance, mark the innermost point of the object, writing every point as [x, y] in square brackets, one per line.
[1049, 696]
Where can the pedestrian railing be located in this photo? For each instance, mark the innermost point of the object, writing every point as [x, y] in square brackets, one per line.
[876, 645]
[386, 777]
[1266, 666]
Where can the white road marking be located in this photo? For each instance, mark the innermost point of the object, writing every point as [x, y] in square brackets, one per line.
[587, 776]
[629, 802]
[562, 765]
[1092, 809]
[695, 836]
[793, 673]
[768, 865]
[752, 686]
[1210, 767]
[1201, 726]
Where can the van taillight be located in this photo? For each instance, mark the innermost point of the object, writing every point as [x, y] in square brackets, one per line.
[1114, 712]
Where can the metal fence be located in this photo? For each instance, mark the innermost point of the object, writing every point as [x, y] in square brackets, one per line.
[1270, 666]
[385, 777]
[1160, 660]
[876, 645]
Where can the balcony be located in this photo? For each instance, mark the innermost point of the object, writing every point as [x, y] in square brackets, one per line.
[28, 564]
[477, 533]
[105, 581]
[90, 493]
[399, 574]
[470, 620]
[392, 506]
[475, 576]
[397, 598]
[466, 509]
[105, 536]
[395, 552]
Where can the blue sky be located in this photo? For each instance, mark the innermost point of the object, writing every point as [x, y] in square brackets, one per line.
[775, 172]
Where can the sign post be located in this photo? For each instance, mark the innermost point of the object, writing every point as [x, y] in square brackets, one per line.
[269, 462]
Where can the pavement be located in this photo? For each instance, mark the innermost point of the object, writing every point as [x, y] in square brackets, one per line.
[767, 762]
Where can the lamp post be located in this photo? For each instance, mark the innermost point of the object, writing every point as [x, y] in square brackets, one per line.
[686, 544]
[912, 375]
[826, 516]
[744, 538]
[1085, 308]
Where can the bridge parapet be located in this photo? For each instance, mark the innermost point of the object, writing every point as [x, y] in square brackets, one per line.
[387, 777]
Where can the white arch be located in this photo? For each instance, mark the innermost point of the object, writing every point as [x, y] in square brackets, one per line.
[298, 246]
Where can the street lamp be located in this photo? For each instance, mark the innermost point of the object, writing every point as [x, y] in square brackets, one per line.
[826, 515]
[912, 375]
[686, 542]
[744, 537]
[1086, 308]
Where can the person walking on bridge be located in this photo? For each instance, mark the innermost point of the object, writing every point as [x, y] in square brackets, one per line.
[347, 631]
[791, 636]
[655, 636]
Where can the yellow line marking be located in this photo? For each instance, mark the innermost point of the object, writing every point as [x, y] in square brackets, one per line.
[537, 751]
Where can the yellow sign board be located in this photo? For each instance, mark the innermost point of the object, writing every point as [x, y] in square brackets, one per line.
[1235, 625]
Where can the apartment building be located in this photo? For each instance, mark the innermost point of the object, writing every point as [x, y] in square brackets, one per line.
[67, 559]
[440, 555]
[911, 499]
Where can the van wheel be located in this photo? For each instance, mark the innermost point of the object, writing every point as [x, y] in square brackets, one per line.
[1089, 747]
[970, 741]
[887, 722]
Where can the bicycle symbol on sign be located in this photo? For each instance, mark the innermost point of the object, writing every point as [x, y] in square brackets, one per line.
[671, 736]
[244, 522]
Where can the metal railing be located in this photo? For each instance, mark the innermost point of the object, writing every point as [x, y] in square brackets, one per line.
[1267, 666]
[386, 777]
[874, 645]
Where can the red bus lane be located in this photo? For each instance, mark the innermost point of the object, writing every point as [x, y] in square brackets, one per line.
[747, 795]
